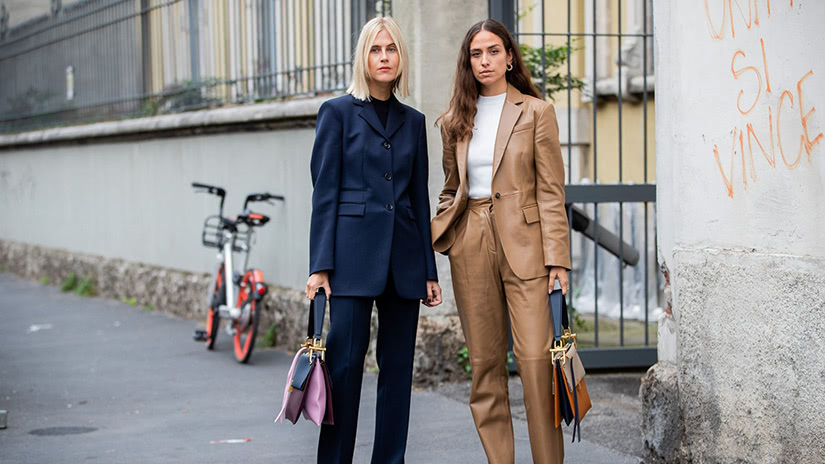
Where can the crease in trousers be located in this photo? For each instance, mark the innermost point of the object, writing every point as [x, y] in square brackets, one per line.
[486, 290]
[347, 343]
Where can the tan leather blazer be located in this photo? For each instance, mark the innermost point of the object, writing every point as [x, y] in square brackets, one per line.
[527, 189]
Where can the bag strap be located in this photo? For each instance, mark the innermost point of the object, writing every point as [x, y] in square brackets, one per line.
[317, 311]
[558, 312]
[577, 425]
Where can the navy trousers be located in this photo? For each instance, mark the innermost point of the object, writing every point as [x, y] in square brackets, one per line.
[347, 343]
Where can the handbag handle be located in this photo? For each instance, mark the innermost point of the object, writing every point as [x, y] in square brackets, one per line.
[317, 310]
[558, 312]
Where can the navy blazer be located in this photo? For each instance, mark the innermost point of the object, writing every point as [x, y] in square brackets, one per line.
[370, 206]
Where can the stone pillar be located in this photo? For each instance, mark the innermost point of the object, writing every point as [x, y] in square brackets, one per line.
[434, 30]
[741, 180]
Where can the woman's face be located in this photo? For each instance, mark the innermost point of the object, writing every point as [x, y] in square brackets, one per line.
[383, 58]
[488, 58]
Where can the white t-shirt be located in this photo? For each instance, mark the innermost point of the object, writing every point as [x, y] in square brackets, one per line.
[482, 145]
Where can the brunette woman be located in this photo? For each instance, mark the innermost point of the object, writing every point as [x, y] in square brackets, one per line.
[501, 219]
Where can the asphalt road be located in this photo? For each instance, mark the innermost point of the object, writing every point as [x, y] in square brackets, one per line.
[92, 380]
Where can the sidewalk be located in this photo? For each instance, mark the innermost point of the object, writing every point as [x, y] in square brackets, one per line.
[111, 383]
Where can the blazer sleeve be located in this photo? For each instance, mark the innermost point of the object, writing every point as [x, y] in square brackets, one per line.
[451, 181]
[555, 233]
[419, 190]
[325, 168]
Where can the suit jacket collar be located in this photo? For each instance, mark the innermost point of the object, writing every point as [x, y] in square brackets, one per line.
[509, 115]
[395, 118]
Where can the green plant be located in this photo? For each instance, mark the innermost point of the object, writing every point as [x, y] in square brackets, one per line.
[85, 287]
[579, 324]
[69, 283]
[554, 58]
[270, 338]
[148, 308]
[183, 96]
[464, 361]
[44, 280]
[129, 301]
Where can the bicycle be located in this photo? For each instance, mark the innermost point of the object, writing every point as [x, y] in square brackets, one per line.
[233, 235]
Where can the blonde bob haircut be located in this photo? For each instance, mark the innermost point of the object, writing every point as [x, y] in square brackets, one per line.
[359, 87]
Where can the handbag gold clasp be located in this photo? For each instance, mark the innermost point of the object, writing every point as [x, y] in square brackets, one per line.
[558, 351]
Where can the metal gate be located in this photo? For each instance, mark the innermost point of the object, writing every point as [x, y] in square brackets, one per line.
[594, 60]
[112, 59]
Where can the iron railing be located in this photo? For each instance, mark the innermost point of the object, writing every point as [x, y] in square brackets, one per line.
[614, 256]
[111, 59]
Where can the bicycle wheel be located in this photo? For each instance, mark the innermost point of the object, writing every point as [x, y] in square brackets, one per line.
[213, 317]
[246, 328]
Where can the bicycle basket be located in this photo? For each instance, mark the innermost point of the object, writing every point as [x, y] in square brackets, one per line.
[212, 234]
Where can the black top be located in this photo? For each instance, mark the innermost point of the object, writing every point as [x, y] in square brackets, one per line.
[382, 109]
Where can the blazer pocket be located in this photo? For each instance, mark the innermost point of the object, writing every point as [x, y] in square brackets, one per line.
[531, 213]
[351, 209]
[410, 213]
[523, 127]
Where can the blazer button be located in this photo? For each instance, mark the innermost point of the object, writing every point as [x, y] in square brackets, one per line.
[388, 176]
[498, 195]
[389, 207]
[387, 145]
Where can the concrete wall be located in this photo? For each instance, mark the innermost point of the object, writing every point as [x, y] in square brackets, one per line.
[132, 199]
[741, 224]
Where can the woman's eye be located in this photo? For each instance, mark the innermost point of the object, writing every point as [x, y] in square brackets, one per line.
[494, 51]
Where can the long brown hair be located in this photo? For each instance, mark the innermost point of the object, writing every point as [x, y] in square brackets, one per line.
[457, 121]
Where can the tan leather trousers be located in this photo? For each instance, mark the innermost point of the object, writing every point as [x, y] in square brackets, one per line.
[486, 289]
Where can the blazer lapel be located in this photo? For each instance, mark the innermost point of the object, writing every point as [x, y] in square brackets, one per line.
[461, 149]
[509, 116]
[368, 113]
[395, 119]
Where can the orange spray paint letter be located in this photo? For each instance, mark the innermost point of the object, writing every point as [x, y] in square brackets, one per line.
[806, 140]
[737, 73]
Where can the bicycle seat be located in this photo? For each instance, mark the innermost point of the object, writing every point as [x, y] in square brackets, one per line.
[253, 219]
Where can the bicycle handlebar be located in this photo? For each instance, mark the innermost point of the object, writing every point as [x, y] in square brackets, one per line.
[205, 188]
[220, 192]
[265, 197]
[210, 189]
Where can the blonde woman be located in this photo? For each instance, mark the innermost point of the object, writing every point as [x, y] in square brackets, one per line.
[370, 240]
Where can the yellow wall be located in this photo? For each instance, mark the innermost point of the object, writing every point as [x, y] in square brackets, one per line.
[607, 117]
[632, 146]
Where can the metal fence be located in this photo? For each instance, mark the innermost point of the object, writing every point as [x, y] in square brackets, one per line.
[109, 59]
[600, 75]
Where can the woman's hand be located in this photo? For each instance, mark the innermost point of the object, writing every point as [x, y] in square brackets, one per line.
[433, 294]
[560, 274]
[316, 281]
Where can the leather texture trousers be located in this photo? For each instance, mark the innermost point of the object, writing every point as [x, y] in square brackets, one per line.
[486, 290]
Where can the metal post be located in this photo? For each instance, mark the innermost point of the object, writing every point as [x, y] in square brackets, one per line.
[503, 11]
[194, 40]
[145, 47]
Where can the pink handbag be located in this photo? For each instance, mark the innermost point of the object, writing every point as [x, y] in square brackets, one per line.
[308, 389]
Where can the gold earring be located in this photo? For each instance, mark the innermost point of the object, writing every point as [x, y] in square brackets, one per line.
[510, 66]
